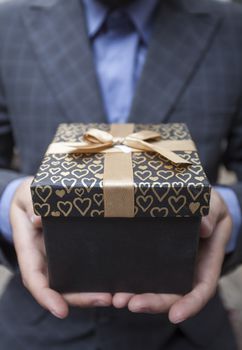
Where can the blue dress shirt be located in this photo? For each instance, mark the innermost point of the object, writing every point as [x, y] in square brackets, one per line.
[119, 40]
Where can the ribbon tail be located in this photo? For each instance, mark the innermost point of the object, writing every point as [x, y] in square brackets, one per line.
[146, 146]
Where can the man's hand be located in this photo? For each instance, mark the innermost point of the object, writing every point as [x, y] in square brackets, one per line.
[28, 239]
[214, 235]
[30, 249]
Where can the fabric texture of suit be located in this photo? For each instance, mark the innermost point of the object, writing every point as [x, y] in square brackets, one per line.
[193, 74]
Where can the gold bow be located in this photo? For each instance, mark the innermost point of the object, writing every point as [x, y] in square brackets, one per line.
[146, 140]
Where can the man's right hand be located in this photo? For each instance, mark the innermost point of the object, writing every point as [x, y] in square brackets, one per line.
[31, 254]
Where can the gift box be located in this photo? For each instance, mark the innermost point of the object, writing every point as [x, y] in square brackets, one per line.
[121, 207]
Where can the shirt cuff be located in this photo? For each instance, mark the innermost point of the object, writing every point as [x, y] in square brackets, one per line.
[5, 204]
[230, 198]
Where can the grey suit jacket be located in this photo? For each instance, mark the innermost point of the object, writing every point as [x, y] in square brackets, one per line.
[193, 74]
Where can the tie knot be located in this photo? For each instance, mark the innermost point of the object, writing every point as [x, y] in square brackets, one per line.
[119, 22]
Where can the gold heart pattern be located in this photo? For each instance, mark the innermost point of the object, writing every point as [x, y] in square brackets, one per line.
[60, 193]
[72, 184]
[98, 198]
[82, 205]
[65, 207]
[194, 206]
[42, 209]
[43, 192]
[177, 203]
[157, 211]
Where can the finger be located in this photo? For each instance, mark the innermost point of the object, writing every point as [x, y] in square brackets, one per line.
[29, 247]
[121, 300]
[85, 300]
[152, 303]
[26, 204]
[190, 304]
[209, 268]
[37, 283]
[217, 212]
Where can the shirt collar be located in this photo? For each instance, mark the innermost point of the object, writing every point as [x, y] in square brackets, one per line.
[139, 11]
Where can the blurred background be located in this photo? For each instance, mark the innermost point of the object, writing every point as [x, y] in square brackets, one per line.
[230, 285]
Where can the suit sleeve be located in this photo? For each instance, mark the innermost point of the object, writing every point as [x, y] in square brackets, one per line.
[233, 161]
[7, 174]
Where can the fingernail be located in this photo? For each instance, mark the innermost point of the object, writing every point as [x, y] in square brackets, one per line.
[32, 219]
[56, 314]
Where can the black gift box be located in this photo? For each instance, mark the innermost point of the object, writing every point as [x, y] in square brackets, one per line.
[152, 251]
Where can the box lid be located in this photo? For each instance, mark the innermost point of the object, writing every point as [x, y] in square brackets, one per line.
[72, 184]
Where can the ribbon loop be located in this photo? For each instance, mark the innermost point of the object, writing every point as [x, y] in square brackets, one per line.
[98, 136]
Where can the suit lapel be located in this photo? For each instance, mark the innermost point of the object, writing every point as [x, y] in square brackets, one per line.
[179, 41]
[58, 35]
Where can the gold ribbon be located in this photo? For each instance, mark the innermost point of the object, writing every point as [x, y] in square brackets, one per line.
[118, 182]
[145, 141]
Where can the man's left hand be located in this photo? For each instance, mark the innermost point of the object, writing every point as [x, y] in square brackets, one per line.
[215, 233]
